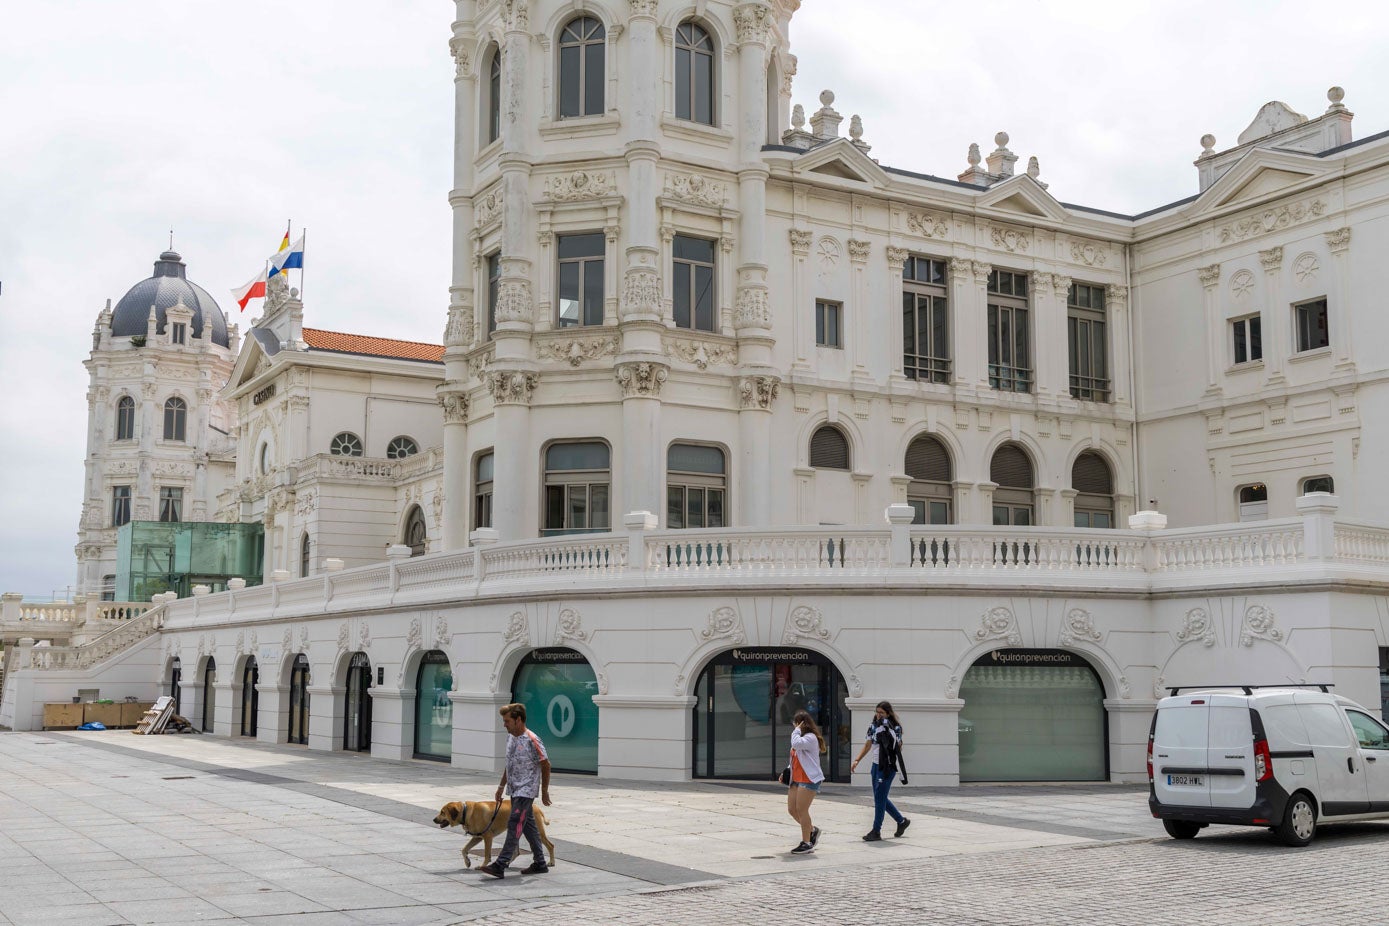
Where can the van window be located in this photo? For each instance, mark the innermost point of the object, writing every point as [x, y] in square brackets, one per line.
[1181, 728]
[1368, 731]
[1283, 726]
[1324, 726]
[1230, 727]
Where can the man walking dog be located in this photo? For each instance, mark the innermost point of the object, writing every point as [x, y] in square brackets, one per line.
[528, 775]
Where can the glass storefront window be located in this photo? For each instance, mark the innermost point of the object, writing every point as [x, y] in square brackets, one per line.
[1032, 715]
[433, 709]
[557, 687]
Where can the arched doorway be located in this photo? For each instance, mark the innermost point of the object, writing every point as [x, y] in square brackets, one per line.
[175, 686]
[744, 701]
[433, 709]
[250, 697]
[356, 720]
[209, 694]
[557, 686]
[299, 700]
[1033, 715]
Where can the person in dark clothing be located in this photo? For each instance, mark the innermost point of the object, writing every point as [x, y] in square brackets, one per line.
[884, 745]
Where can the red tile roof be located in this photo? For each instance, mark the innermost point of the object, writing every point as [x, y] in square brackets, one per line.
[341, 343]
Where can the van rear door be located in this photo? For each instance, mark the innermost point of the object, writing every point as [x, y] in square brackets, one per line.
[1230, 753]
[1180, 737]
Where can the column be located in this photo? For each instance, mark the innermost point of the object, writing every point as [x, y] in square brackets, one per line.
[479, 740]
[272, 723]
[392, 723]
[1215, 329]
[802, 322]
[1117, 345]
[645, 738]
[513, 464]
[1051, 348]
[642, 469]
[896, 342]
[752, 319]
[861, 346]
[1339, 308]
[1277, 324]
[325, 715]
[977, 309]
[965, 359]
[455, 403]
[756, 393]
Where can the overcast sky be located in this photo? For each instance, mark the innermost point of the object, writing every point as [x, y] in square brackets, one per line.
[120, 119]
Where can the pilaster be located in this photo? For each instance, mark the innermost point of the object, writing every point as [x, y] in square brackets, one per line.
[1276, 322]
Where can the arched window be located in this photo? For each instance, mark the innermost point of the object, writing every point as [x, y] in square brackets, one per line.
[401, 447]
[176, 419]
[125, 418]
[346, 444]
[482, 491]
[581, 48]
[433, 709]
[250, 697]
[1094, 486]
[305, 555]
[578, 481]
[416, 538]
[829, 449]
[931, 492]
[694, 74]
[209, 694]
[1253, 502]
[264, 464]
[1318, 484]
[1013, 502]
[299, 700]
[492, 128]
[696, 485]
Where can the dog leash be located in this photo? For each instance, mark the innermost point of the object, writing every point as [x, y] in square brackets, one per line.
[495, 810]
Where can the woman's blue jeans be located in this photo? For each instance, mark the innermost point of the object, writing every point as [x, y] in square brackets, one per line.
[881, 804]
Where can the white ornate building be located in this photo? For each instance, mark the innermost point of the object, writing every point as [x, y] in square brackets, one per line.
[737, 420]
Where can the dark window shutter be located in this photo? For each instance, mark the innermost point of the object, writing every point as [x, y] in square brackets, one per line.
[1091, 475]
[928, 460]
[1011, 468]
[829, 449]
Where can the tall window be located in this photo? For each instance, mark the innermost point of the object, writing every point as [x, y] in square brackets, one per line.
[346, 444]
[932, 489]
[125, 418]
[1248, 339]
[693, 283]
[1094, 486]
[1011, 471]
[694, 74]
[305, 555]
[416, 537]
[401, 447]
[120, 505]
[577, 485]
[1010, 364]
[494, 279]
[1089, 347]
[828, 317]
[170, 504]
[482, 491]
[1309, 318]
[175, 419]
[696, 483]
[494, 96]
[1253, 502]
[925, 321]
[581, 46]
[178, 333]
[829, 449]
[580, 280]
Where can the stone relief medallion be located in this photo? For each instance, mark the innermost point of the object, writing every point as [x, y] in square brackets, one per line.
[641, 379]
[570, 627]
[1258, 625]
[517, 630]
[579, 185]
[695, 188]
[998, 623]
[575, 351]
[1305, 267]
[1010, 239]
[1088, 254]
[1252, 226]
[701, 354]
[1242, 284]
[1080, 627]
[805, 623]
[1197, 626]
[758, 391]
[725, 624]
[928, 225]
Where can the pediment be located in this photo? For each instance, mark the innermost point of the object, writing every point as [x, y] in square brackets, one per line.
[1266, 181]
[250, 363]
[1024, 197]
[839, 169]
[841, 160]
[1259, 175]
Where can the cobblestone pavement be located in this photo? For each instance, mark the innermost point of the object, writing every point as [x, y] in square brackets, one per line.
[111, 829]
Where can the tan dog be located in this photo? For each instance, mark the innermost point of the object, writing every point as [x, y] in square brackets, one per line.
[484, 821]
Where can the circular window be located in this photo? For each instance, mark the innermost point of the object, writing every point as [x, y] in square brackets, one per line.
[346, 444]
[401, 447]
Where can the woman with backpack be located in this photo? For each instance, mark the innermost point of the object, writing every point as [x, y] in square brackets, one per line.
[884, 744]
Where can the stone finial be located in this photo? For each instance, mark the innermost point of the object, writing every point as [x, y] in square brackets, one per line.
[974, 173]
[1335, 95]
[1034, 170]
[1207, 145]
[798, 117]
[825, 122]
[827, 98]
[1001, 160]
[974, 157]
[856, 134]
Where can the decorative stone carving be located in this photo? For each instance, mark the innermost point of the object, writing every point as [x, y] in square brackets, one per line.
[758, 391]
[570, 627]
[1258, 625]
[1209, 275]
[576, 350]
[1088, 254]
[1061, 285]
[458, 48]
[488, 207]
[896, 257]
[516, 15]
[514, 302]
[928, 225]
[827, 254]
[1116, 296]
[240, 642]
[579, 185]
[1197, 626]
[414, 636]
[694, 188]
[1010, 239]
[517, 630]
[1271, 259]
[480, 362]
[459, 331]
[752, 309]
[1269, 220]
[1337, 240]
[641, 379]
[1241, 284]
[981, 271]
[952, 687]
[1305, 267]
[511, 387]
[644, 7]
[304, 638]
[455, 405]
[442, 637]
[641, 292]
[998, 624]
[800, 241]
[701, 353]
[804, 622]
[752, 21]
[855, 686]
[1079, 628]
[724, 624]
[788, 74]
[305, 503]
[859, 250]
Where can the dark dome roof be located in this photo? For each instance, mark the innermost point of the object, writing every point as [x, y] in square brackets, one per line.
[163, 291]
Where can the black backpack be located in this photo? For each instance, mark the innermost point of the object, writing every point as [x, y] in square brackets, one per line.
[890, 758]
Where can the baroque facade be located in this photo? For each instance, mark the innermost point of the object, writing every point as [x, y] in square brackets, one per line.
[734, 420]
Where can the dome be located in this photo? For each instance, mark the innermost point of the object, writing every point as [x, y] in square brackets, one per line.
[163, 291]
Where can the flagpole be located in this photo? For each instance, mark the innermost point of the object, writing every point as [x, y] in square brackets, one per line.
[305, 235]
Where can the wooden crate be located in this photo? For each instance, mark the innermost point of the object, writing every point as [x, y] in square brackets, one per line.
[108, 714]
[62, 716]
[132, 711]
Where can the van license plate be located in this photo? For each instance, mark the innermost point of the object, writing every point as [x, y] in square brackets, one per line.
[1194, 781]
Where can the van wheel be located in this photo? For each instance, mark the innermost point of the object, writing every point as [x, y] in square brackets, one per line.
[1181, 829]
[1299, 821]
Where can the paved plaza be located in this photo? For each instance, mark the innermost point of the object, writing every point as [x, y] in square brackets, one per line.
[109, 828]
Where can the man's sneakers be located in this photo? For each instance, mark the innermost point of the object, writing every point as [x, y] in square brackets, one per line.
[493, 869]
[802, 849]
[536, 868]
[873, 836]
[902, 827]
[814, 836]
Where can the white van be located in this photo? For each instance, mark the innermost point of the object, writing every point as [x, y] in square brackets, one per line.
[1277, 757]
